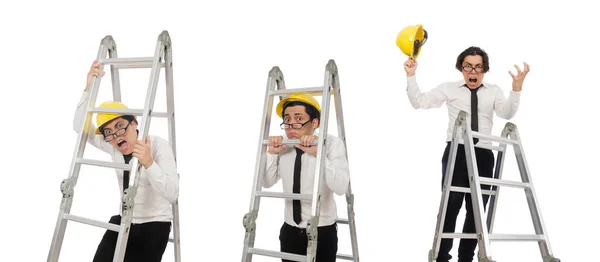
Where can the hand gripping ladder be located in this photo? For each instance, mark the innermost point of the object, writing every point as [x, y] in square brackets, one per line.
[162, 59]
[276, 87]
[510, 136]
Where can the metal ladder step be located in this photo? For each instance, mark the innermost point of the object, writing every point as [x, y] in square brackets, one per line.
[345, 257]
[468, 190]
[289, 142]
[314, 91]
[135, 112]
[282, 255]
[97, 223]
[99, 163]
[497, 182]
[343, 221]
[498, 139]
[516, 237]
[497, 237]
[290, 196]
[133, 62]
[92, 222]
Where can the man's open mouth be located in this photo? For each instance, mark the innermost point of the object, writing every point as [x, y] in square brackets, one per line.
[122, 143]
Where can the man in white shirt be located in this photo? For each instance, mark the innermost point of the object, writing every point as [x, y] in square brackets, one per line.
[158, 185]
[480, 100]
[295, 166]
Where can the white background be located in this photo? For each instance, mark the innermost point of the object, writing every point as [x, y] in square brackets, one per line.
[222, 52]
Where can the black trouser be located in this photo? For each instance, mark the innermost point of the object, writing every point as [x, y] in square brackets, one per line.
[147, 242]
[485, 165]
[294, 240]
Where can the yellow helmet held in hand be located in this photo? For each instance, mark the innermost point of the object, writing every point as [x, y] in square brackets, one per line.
[297, 97]
[103, 118]
[411, 39]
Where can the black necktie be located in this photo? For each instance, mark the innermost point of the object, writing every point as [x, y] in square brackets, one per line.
[126, 172]
[474, 117]
[296, 186]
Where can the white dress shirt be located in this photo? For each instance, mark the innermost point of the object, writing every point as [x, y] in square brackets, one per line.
[337, 178]
[158, 185]
[490, 98]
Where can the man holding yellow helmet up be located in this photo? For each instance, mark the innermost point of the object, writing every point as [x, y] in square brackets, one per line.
[480, 100]
[295, 166]
[158, 184]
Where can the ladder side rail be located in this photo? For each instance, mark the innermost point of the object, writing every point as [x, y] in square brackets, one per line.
[67, 185]
[168, 69]
[532, 201]
[274, 81]
[491, 214]
[485, 251]
[313, 223]
[337, 96]
[446, 188]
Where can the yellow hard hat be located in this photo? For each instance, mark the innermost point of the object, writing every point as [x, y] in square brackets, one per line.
[103, 118]
[297, 97]
[411, 39]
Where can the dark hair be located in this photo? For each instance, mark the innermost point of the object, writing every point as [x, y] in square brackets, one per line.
[473, 50]
[310, 110]
[130, 118]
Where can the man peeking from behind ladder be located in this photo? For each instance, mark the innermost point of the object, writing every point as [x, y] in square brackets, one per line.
[295, 166]
[158, 185]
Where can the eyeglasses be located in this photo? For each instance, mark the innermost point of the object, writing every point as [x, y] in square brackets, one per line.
[294, 125]
[108, 136]
[468, 68]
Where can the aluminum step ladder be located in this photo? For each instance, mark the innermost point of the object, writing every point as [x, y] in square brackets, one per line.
[276, 87]
[162, 59]
[509, 136]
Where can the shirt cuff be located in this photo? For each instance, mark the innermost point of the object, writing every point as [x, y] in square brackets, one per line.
[272, 157]
[515, 94]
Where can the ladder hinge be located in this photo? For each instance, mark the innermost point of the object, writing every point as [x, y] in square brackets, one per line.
[128, 201]
[67, 188]
[311, 228]
[250, 221]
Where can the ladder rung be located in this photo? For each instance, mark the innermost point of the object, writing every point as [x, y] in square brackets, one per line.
[496, 237]
[315, 91]
[135, 112]
[459, 235]
[134, 62]
[343, 221]
[289, 142]
[92, 222]
[468, 190]
[103, 164]
[497, 182]
[284, 195]
[282, 255]
[345, 257]
[495, 139]
[137, 65]
[515, 237]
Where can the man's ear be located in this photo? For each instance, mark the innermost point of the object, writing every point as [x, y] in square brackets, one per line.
[315, 123]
